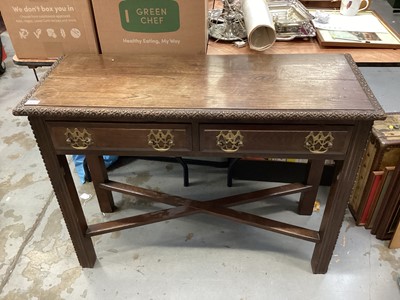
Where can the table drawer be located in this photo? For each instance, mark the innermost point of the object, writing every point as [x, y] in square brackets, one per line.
[261, 139]
[121, 137]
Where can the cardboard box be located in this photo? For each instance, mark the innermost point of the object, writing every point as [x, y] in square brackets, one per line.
[152, 26]
[42, 29]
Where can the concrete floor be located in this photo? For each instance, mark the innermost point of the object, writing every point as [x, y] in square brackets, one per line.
[197, 257]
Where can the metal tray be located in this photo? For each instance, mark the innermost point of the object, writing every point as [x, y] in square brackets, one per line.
[292, 20]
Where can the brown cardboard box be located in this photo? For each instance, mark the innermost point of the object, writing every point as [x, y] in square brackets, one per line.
[151, 26]
[49, 28]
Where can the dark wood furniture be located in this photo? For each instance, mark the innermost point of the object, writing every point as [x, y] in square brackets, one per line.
[315, 107]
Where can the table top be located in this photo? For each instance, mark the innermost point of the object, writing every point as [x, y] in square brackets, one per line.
[368, 56]
[254, 87]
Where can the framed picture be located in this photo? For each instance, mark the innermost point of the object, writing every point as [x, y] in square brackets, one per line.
[365, 30]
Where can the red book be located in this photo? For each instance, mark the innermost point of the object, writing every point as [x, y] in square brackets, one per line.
[371, 196]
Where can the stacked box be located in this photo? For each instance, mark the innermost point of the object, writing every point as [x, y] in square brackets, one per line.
[151, 26]
[41, 29]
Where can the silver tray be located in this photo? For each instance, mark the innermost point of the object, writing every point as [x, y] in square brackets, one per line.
[292, 20]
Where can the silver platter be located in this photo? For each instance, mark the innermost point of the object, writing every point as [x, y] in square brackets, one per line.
[292, 20]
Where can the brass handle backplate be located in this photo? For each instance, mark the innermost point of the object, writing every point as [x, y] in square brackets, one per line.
[229, 141]
[78, 139]
[160, 140]
[318, 143]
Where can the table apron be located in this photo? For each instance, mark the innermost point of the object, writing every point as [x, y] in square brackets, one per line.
[185, 139]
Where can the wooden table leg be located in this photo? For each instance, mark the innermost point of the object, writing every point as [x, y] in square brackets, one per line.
[99, 175]
[337, 200]
[307, 199]
[67, 196]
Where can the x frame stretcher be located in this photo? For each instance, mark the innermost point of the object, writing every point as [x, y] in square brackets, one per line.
[218, 207]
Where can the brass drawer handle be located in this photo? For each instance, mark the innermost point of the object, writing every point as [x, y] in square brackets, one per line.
[318, 143]
[161, 141]
[228, 141]
[77, 139]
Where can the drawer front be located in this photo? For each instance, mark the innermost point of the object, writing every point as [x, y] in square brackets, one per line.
[272, 140]
[121, 137]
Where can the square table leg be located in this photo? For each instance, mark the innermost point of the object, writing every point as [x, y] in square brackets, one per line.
[99, 175]
[67, 196]
[307, 199]
[338, 198]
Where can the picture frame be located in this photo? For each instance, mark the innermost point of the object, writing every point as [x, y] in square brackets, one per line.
[386, 38]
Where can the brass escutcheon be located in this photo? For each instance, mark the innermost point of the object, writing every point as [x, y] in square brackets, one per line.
[318, 142]
[161, 141]
[228, 141]
[77, 139]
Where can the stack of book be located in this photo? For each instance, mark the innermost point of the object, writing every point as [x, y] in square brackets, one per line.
[375, 200]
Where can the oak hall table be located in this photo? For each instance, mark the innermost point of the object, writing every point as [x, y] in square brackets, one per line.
[315, 107]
